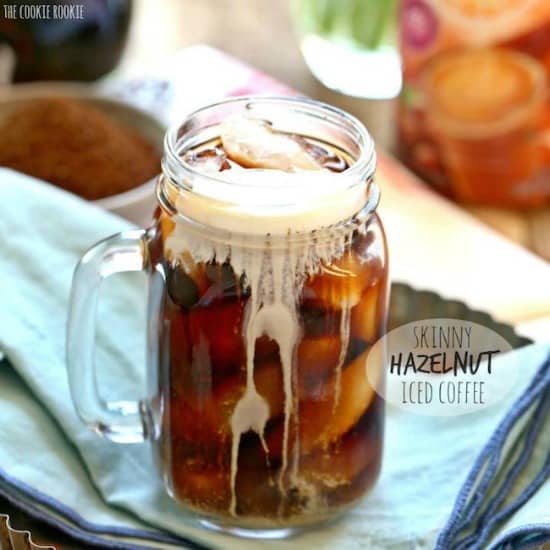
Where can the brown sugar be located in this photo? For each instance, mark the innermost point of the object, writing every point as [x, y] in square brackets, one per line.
[77, 147]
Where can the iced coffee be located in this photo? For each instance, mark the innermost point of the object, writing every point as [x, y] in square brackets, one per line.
[276, 288]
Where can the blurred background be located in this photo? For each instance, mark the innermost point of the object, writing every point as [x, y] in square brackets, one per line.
[278, 36]
[475, 124]
[263, 33]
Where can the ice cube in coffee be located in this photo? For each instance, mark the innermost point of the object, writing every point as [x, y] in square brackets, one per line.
[268, 415]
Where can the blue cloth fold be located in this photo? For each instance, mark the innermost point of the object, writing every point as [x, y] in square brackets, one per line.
[110, 494]
[473, 505]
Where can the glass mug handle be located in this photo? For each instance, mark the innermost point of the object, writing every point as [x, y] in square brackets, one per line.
[120, 421]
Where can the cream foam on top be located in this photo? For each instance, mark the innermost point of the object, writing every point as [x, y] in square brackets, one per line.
[277, 185]
[262, 201]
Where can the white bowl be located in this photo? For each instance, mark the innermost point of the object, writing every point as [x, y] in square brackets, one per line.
[137, 204]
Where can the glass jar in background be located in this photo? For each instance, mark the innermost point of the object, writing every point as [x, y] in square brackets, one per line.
[267, 290]
[474, 115]
[66, 48]
[351, 45]
[491, 138]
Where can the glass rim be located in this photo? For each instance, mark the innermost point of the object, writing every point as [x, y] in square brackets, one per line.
[179, 171]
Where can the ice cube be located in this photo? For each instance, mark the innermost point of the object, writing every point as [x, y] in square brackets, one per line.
[207, 160]
[254, 144]
[182, 288]
[339, 285]
[317, 321]
[186, 281]
[367, 316]
[232, 165]
[324, 157]
[317, 361]
[218, 325]
[206, 416]
[268, 379]
[322, 423]
[224, 281]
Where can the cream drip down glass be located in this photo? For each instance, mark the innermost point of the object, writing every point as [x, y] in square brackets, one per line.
[268, 286]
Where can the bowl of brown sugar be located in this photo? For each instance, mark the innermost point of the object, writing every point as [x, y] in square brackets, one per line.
[104, 150]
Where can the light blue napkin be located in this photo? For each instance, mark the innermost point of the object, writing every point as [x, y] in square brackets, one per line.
[109, 494]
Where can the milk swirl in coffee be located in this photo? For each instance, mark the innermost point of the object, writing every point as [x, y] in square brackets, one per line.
[268, 322]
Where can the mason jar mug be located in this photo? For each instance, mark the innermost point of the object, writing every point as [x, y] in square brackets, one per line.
[268, 285]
